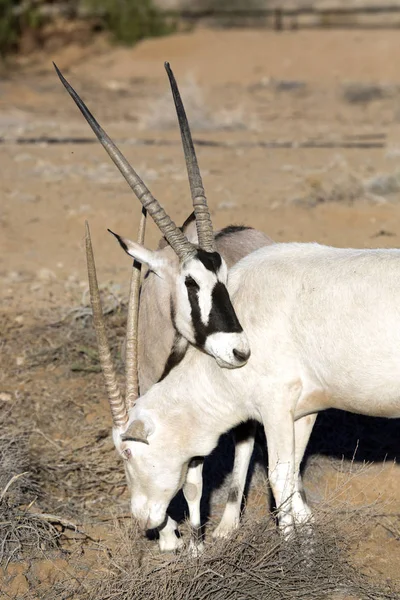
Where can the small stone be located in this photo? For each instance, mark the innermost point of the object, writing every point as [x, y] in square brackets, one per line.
[19, 319]
[5, 397]
[46, 274]
[226, 205]
[20, 361]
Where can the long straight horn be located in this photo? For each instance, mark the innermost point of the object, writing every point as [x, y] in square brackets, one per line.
[170, 231]
[131, 348]
[203, 218]
[117, 404]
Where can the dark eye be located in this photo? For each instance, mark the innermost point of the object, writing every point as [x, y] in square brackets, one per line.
[191, 283]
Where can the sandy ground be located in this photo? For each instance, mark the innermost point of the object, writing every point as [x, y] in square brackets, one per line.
[242, 89]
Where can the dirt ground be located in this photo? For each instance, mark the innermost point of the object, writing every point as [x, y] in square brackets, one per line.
[298, 135]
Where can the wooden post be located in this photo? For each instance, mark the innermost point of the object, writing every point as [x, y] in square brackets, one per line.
[278, 17]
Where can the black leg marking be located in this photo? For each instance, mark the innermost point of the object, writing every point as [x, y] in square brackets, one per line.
[197, 535]
[233, 496]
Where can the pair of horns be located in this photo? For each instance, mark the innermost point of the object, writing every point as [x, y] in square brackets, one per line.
[119, 406]
[176, 239]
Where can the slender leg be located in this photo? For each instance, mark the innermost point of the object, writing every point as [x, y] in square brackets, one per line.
[244, 444]
[192, 490]
[302, 431]
[278, 420]
[168, 540]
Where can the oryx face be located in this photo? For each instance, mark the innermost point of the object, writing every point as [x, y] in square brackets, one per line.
[203, 311]
[201, 308]
[154, 475]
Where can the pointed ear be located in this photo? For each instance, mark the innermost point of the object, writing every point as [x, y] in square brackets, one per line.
[138, 431]
[147, 257]
[190, 230]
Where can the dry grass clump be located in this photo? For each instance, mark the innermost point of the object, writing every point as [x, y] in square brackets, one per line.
[339, 182]
[73, 340]
[363, 93]
[86, 470]
[254, 563]
[21, 532]
[383, 184]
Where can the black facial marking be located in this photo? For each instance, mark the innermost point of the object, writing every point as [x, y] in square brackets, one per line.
[199, 328]
[211, 260]
[222, 317]
[231, 229]
[191, 283]
[177, 353]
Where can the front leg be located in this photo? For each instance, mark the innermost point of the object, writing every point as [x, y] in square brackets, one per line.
[168, 540]
[302, 431]
[192, 490]
[278, 420]
[244, 443]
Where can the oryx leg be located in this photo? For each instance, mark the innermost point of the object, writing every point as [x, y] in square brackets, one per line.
[192, 490]
[168, 540]
[244, 443]
[302, 431]
[278, 420]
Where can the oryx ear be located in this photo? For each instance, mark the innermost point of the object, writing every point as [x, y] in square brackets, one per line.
[151, 258]
[190, 230]
[138, 431]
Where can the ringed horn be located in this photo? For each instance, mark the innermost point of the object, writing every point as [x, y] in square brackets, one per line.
[174, 236]
[203, 218]
[119, 406]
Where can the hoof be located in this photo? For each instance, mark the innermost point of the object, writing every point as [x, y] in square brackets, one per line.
[195, 549]
[172, 543]
[224, 530]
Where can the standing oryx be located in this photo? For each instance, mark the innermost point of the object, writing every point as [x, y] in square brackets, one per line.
[207, 321]
[172, 315]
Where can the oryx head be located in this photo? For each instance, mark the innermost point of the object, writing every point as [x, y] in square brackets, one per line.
[202, 309]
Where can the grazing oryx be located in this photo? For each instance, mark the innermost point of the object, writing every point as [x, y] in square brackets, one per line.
[161, 348]
[166, 326]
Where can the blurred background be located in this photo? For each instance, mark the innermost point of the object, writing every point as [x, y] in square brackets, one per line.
[294, 107]
[295, 112]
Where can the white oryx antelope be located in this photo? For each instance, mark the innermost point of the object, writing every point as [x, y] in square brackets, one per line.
[163, 342]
